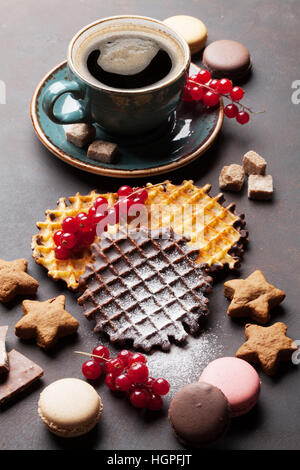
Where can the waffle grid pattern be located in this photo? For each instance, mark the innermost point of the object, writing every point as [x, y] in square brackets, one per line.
[219, 233]
[144, 289]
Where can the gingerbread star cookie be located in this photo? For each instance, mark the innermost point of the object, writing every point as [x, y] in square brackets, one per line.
[253, 297]
[46, 321]
[267, 345]
[15, 281]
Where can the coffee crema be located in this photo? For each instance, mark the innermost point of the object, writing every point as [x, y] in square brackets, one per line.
[129, 58]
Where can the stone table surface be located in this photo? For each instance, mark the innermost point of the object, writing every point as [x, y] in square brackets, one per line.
[33, 37]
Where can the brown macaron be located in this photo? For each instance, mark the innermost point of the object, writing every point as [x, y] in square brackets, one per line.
[199, 414]
[226, 58]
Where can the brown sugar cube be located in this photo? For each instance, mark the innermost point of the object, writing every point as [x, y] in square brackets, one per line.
[232, 177]
[254, 164]
[102, 151]
[80, 134]
[260, 187]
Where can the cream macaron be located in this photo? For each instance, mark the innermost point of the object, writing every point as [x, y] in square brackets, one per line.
[70, 407]
[191, 29]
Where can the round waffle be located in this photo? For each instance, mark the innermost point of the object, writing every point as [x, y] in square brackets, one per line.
[144, 286]
[215, 230]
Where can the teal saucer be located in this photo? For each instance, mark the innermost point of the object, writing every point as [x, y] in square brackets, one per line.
[187, 135]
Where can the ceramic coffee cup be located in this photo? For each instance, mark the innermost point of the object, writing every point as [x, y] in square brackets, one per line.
[118, 111]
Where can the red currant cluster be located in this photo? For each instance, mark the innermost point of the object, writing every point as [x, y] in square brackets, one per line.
[128, 373]
[202, 87]
[81, 230]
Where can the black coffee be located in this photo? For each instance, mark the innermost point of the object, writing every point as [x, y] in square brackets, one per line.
[129, 61]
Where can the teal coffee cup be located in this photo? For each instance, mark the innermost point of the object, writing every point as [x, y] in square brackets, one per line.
[121, 110]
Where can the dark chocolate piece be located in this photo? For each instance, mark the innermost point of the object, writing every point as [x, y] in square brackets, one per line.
[199, 414]
[23, 372]
[4, 363]
[226, 58]
[144, 288]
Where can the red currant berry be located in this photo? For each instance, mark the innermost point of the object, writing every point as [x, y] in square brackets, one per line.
[242, 117]
[142, 194]
[149, 382]
[68, 240]
[124, 191]
[101, 351]
[210, 99]
[237, 93]
[70, 225]
[124, 355]
[62, 252]
[91, 370]
[203, 76]
[110, 382]
[161, 386]
[122, 382]
[101, 203]
[137, 357]
[224, 86]
[115, 367]
[84, 222]
[214, 84]
[197, 93]
[92, 213]
[140, 398]
[56, 237]
[138, 372]
[155, 403]
[231, 110]
[87, 238]
[186, 96]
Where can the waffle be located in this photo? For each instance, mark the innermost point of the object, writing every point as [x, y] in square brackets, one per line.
[216, 231]
[143, 286]
[43, 245]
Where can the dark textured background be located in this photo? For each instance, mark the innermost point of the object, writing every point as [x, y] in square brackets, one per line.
[33, 37]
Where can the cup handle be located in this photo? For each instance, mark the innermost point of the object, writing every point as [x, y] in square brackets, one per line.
[58, 89]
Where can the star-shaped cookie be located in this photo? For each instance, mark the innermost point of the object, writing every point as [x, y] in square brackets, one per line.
[253, 297]
[267, 345]
[46, 321]
[15, 281]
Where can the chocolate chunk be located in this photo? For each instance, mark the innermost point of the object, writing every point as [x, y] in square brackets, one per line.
[23, 372]
[227, 58]
[254, 164]
[260, 187]
[102, 151]
[199, 414]
[232, 178]
[81, 134]
[4, 364]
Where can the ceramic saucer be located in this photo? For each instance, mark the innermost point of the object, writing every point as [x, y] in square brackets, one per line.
[189, 133]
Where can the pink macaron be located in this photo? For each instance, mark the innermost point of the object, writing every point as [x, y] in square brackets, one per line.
[237, 379]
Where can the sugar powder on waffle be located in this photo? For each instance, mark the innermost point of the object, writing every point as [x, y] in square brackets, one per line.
[145, 287]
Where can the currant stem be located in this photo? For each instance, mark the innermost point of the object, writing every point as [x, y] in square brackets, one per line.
[225, 96]
[91, 355]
